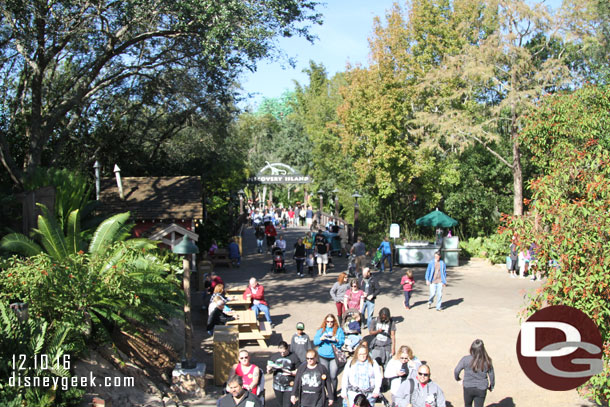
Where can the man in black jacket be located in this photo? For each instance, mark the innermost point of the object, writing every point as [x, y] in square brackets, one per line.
[371, 289]
[238, 396]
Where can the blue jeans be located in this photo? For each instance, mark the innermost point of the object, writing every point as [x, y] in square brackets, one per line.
[259, 245]
[389, 257]
[369, 308]
[261, 307]
[436, 289]
[407, 297]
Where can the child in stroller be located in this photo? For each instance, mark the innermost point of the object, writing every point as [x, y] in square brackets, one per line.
[352, 328]
[278, 260]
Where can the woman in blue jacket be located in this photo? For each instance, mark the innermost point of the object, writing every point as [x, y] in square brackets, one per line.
[329, 334]
[386, 251]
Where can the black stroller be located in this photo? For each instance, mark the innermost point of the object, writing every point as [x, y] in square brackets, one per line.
[277, 265]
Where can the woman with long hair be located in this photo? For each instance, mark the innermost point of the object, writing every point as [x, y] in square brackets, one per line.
[402, 367]
[478, 374]
[362, 375]
[330, 334]
[337, 293]
[354, 296]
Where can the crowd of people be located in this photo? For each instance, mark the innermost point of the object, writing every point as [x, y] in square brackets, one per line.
[356, 340]
[522, 259]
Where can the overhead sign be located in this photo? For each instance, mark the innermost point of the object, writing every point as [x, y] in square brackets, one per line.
[280, 179]
[278, 173]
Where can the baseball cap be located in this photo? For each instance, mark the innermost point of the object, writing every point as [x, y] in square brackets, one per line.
[301, 326]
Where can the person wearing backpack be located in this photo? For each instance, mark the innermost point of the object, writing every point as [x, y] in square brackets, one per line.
[362, 375]
[424, 393]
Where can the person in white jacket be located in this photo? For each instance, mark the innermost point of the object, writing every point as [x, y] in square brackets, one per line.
[403, 366]
[362, 375]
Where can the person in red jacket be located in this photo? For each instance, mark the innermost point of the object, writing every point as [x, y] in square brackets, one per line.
[271, 233]
[256, 294]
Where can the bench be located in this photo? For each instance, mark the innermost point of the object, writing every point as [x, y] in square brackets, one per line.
[220, 256]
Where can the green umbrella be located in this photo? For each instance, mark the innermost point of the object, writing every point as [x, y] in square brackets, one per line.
[435, 219]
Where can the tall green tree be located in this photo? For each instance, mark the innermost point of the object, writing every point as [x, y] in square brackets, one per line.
[495, 79]
[59, 59]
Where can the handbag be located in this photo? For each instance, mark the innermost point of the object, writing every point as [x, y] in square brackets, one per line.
[340, 357]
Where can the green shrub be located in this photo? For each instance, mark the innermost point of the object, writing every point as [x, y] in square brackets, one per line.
[33, 338]
[472, 247]
[496, 247]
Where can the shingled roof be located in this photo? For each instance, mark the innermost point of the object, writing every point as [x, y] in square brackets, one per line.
[154, 197]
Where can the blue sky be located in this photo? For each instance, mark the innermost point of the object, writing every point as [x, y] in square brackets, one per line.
[343, 37]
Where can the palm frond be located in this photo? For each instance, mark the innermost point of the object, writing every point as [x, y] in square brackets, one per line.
[73, 233]
[21, 244]
[107, 231]
[51, 235]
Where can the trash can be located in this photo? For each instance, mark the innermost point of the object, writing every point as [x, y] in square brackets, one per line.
[226, 352]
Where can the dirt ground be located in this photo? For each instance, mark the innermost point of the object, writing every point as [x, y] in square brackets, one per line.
[480, 301]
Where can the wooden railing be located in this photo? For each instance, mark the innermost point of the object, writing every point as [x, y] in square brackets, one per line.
[346, 229]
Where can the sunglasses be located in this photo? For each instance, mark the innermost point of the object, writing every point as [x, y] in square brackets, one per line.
[330, 322]
[244, 357]
[423, 374]
[310, 358]
[404, 358]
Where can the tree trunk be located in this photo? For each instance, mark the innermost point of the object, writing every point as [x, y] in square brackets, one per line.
[517, 171]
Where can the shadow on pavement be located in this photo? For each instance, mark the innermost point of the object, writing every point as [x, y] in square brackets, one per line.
[505, 402]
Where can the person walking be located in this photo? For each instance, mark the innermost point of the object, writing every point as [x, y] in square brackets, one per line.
[271, 233]
[354, 296]
[436, 279]
[322, 248]
[386, 253]
[514, 257]
[407, 282]
[478, 374]
[425, 393]
[371, 290]
[283, 365]
[300, 343]
[362, 375]
[299, 256]
[237, 395]
[309, 216]
[403, 366]
[312, 387]
[383, 346]
[359, 250]
[248, 371]
[259, 233]
[330, 334]
[337, 293]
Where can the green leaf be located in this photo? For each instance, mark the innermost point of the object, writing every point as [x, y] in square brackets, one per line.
[107, 232]
[74, 234]
[51, 235]
[19, 243]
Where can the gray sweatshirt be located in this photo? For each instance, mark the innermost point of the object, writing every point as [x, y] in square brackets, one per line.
[430, 394]
[472, 379]
[337, 292]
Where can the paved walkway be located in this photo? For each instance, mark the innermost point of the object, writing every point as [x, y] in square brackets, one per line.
[480, 301]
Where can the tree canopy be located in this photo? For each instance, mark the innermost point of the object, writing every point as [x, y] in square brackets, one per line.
[63, 61]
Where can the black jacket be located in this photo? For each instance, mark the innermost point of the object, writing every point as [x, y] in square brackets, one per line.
[228, 401]
[373, 288]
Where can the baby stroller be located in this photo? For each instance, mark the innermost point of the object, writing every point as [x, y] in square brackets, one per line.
[278, 260]
[353, 330]
[351, 265]
[376, 262]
